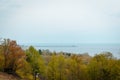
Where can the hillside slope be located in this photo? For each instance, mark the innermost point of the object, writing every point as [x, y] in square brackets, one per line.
[5, 76]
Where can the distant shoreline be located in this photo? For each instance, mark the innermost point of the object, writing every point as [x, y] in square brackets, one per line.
[51, 46]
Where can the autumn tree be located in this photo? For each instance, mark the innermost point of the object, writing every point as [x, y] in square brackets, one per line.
[12, 55]
[56, 68]
[36, 62]
[104, 67]
[76, 69]
[51, 69]
[1, 57]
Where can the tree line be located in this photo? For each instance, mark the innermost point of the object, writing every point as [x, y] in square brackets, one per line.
[32, 64]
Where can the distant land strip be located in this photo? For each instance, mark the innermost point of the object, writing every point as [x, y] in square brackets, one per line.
[52, 46]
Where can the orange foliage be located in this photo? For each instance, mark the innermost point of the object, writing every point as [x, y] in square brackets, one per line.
[13, 55]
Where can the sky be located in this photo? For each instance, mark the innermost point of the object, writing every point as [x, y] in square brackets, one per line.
[60, 21]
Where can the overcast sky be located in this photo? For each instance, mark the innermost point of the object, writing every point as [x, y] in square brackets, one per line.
[60, 21]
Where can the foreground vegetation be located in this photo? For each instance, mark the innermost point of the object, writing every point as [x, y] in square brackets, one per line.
[31, 64]
[5, 76]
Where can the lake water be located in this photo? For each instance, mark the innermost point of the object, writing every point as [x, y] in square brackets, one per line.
[77, 48]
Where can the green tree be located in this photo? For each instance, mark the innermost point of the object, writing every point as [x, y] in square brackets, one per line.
[76, 69]
[104, 67]
[51, 69]
[61, 67]
[56, 68]
[36, 62]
